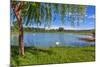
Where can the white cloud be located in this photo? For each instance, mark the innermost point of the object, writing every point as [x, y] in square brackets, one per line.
[91, 17]
[52, 27]
[69, 14]
[86, 15]
[80, 28]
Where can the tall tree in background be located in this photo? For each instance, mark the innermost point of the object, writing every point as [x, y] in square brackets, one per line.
[42, 13]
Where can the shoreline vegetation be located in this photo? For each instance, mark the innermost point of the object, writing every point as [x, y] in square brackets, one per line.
[57, 54]
[59, 30]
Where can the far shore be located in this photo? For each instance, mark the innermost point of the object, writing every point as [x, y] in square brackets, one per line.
[84, 33]
[88, 39]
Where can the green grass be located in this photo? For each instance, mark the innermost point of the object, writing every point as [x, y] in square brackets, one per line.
[52, 55]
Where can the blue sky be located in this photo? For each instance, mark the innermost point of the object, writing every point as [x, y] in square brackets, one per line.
[89, 22]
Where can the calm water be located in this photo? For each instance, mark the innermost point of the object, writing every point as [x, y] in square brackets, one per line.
[50, 39]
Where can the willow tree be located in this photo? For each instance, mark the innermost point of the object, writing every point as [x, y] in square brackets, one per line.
[28, 13]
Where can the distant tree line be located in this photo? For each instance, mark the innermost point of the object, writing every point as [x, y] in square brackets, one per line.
[60, 29]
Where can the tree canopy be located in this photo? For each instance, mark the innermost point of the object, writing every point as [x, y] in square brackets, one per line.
[37, 12]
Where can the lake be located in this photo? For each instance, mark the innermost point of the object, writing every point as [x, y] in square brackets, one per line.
[51, 39]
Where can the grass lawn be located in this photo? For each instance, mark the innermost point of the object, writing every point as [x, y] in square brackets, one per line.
[51, 55]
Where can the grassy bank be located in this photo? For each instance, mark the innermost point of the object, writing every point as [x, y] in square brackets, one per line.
[57, 54]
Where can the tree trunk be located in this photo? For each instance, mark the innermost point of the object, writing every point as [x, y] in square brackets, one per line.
[21, 42]
[17, 10]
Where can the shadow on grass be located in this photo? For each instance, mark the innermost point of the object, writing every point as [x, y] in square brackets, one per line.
[14, 51]
[88, 50]
[14, 55]
[33, 50]
[36, 51]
